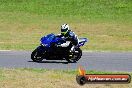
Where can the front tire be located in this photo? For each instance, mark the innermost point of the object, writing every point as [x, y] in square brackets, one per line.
[36, 56]
[78, 53]
[75, 56]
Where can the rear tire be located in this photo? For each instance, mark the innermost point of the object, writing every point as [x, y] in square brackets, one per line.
[36, 56]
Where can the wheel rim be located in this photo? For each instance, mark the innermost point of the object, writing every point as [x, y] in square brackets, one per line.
[72, 59]
[78, 54]
[37, 58]
[75, 56]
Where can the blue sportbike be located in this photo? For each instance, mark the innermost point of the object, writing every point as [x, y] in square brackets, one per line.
[55, 48]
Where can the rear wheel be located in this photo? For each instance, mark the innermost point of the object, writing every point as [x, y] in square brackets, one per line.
[36, 56]
[74, 56]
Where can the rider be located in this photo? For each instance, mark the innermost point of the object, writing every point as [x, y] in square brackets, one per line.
[68, 35]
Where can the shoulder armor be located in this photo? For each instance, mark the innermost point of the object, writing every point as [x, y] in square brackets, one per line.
[71, 33]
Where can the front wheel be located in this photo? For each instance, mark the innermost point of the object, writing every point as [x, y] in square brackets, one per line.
[36, 56]
[74, 56]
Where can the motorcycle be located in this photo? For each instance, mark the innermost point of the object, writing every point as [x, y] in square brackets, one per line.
[55, 48]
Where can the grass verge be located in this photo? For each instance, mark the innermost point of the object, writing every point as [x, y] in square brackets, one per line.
[107, 24]
[41, 78]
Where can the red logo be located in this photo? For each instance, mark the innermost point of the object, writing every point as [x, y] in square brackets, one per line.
[83, 78]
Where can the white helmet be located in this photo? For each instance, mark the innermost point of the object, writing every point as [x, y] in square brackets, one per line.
[64, 29]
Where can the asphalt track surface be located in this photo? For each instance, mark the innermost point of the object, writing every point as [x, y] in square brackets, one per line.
[100, 61]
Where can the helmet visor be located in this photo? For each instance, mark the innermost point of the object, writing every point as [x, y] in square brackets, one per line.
[64, 30]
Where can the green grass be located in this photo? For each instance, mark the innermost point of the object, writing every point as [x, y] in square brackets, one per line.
[89, 9]
[43, 78]
[107, 23]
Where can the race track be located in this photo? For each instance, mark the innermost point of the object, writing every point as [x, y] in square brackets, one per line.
[101, 61]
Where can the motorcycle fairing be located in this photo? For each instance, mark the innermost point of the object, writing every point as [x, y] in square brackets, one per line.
[82, 41]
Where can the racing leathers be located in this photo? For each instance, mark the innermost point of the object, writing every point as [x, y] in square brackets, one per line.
[70, 36]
